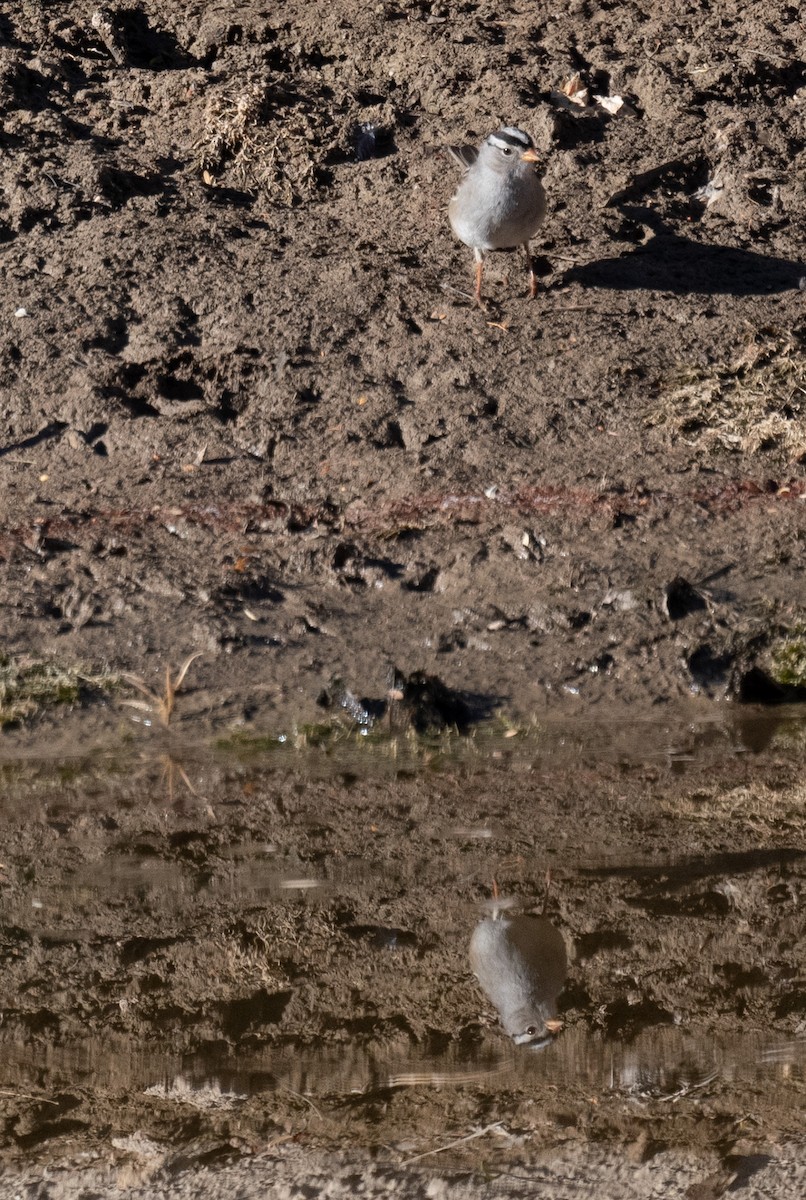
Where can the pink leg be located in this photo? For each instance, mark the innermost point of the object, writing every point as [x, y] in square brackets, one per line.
[479, 271]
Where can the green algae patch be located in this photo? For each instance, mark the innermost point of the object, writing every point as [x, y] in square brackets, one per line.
[788, 660]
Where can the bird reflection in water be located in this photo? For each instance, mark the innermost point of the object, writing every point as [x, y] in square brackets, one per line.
[521, 964]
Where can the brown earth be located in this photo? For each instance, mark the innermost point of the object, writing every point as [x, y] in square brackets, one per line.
[249, 410]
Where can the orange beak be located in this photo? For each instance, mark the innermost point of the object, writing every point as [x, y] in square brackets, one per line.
[553, 1026]
[530, 155]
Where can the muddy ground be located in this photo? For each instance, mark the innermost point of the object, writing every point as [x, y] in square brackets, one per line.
[248, 410]
[208, 958]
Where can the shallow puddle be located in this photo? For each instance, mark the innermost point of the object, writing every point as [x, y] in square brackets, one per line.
[282, 934]
[666, 1064]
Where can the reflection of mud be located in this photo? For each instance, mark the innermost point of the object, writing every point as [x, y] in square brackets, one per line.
[658, 1064]
[304, 931]
[32, 761]
[417, 701]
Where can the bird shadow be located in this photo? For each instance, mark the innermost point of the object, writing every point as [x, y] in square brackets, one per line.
[686, 870]
[667, 262]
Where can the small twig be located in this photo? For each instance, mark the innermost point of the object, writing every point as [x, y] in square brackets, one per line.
[451, 1145]
[184, 777]
[304, 1099]
[28, 1096]
[169, 767]
[447, 1078]
[455, 291]
[673, 1097]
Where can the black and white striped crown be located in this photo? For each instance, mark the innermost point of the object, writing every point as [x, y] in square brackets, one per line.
[511, 138]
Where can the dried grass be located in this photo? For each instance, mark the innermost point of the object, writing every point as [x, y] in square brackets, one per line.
[263, 137]
[259, 957]
[753, 404]
[28, 685]
[161, 706]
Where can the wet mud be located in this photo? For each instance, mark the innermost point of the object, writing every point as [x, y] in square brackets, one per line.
[249, 411]
[222, 952]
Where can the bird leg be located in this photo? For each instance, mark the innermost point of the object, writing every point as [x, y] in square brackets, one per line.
[548, 889]
[479, 269]
[496, 909]
[532, 276]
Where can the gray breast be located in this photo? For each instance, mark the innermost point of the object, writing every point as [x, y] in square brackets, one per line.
[493, 211]
[521, 965]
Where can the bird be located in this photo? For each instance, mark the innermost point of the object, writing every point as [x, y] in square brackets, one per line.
[500, 202]
[521, 965]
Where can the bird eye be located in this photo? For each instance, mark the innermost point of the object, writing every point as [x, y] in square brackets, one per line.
[531, 1030]
[506, 150]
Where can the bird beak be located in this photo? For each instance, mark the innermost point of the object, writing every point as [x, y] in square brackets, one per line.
[553, 1025]
[530, 155]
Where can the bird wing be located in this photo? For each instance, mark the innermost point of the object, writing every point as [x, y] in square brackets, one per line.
[464, 155]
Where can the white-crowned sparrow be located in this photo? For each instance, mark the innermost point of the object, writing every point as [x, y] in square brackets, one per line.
[521, 964]
[501, 201]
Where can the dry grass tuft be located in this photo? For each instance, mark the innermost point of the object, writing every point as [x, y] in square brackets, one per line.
[27, 686]
[259, 956]
[261, 135]
[160, 705]
[755, 403]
